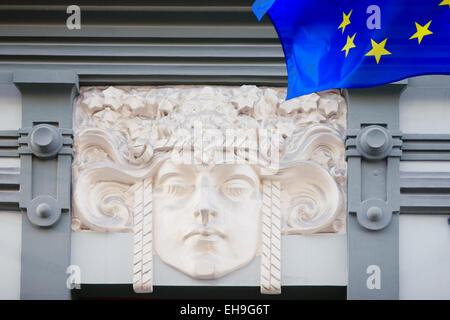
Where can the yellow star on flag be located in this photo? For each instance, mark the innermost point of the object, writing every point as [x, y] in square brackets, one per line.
[421, 31]
[349, 44]
[345, 20]
[378, 50]
[445, 2]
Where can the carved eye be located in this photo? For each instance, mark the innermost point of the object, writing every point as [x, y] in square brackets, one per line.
[175, 190]
[175, 187]
[236, 189]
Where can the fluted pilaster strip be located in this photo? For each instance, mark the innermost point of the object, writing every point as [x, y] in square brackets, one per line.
[271, 239]
[143, 254]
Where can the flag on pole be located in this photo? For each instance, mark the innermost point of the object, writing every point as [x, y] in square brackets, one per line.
[357, 44]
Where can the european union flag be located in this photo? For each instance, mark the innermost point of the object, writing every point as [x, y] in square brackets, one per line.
[359, 43]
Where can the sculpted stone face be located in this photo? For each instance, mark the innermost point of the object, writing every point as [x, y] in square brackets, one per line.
[206, 218]
[207, 221]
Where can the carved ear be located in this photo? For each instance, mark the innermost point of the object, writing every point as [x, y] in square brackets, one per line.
[311, 200]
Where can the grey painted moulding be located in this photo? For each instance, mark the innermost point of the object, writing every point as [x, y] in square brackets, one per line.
[425, 182]
[373, 152]
[9, 188]
[45, 180]
[434, 81]
[45, 135]
[44, 77]
[426, 147]
[425, 193]
[9, 144]
[6, 77]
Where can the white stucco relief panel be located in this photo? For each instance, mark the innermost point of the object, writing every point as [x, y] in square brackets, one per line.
[208, 177]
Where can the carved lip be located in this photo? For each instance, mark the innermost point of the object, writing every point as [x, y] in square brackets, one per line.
[205, 232]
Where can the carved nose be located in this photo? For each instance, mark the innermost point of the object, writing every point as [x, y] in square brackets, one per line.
[206, 206]
[204, 215]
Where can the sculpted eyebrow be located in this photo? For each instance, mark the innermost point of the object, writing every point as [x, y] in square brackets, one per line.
[168, 175]
[243, 177]
[172, 170]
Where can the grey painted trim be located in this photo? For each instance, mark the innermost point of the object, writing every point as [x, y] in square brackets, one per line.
[9, 197]
[237, 80]
[121, 68]
[425, 193]
[9, 134]
[9, 143]
[9, 177]
[157, 43]
[373, 183]
[155, 50]
[139, 75]
[426, 147]
[234, 6]
[9, 154]
[45, 257]
[425, 204]
[63, 137]
[22, 78]
[425, 182]
[434, 81]
[373, 248]
[9, 188]
[215, 32]
[45, 181]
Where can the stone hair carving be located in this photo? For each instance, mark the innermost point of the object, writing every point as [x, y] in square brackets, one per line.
[143, 150]
[271, 238]
[143, 253]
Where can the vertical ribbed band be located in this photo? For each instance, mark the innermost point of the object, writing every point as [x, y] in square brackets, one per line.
[271, 238]
[142, 251]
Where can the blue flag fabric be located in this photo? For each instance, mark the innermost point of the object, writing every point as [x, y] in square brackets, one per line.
[358, 43]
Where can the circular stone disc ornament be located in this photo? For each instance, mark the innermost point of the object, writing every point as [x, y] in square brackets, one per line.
[43, 211]
[45, 141]
[374, 214]
[374, 142]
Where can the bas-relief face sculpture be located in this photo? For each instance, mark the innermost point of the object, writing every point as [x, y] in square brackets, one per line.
[206, 218]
